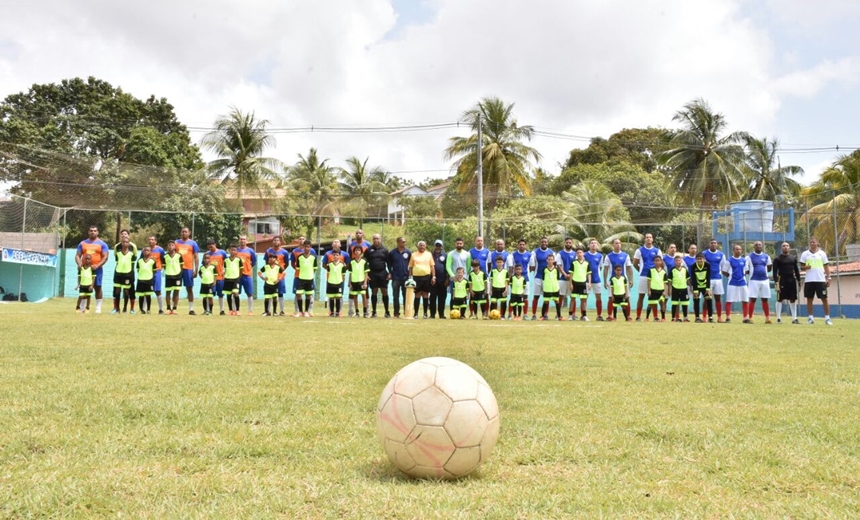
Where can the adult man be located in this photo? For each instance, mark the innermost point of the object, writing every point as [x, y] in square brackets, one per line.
[786, 279]
[377, 260]
[759, 265]
[668, 264]
[98, 252]
[156, 252]
[422, 270]
[616, 258]
[350, 249]
[594, 259]
[814, 263]
[439, 291]
[480, 253]
[217, 258]
[563, 260]
[456, 259]
[498, 252]
[643, 262]
[398, 269]
[329, 257]
[690, 257]
[249, 264]
[715, 259]
[520, 257]
[537, 264]
[281, 255]
[188, 250]
[735, 269]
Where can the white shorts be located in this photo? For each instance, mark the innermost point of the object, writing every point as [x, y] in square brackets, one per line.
[717, 287]
[537, 287]
[644, 286]
[563, 287]
[736, 293]
[596, 289]
[759, 289]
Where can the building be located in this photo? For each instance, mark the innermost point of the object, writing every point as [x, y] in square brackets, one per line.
[396, 212]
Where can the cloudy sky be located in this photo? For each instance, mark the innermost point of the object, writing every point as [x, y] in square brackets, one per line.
[783, 68]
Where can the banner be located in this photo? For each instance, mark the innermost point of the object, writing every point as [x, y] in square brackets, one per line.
[18, 256]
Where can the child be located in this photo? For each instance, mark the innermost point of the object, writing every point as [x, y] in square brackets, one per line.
[359, 277]
[208, 273]
[518, 290]
[232, 278]
[335, 270]
[272, 274]
[551, 279]
[580, 280]
[172, 277]
[680, 278]
[460, 292]
[86, 279]
[477, 291]
[620, 294]
[658, 287]
[499, 281]
[701, 282]
[306, 269]
[123, 277]
[146, 269]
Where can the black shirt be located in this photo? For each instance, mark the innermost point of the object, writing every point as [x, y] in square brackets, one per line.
[785, 267]
[377, 259]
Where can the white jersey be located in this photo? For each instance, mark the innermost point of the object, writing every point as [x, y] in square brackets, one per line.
[816, 262]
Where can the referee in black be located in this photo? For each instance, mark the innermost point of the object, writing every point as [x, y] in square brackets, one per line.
[786, 279]
[377, 261]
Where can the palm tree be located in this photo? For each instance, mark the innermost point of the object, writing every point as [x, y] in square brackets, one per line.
[705, 166]
[505, 159]
[239, 140]
[765, 178]
[362, 186]
[839, 190]
[316, 181]
[597, 212]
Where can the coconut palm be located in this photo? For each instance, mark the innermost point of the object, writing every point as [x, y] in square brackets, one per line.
[506, 160]
[839, 190]
[597, 212]
[361, 185]
[316, 182]
[766, 180]
[239, 140]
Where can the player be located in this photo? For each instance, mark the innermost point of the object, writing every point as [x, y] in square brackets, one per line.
[813, 262]
[551, 278]
[521, 257]
[272, 274]
[498, 252]
[658, 287]
[398, 269]
[715, 258]
[233, 267]
[157, 255]
[563, 261]
[295, 254]
[86, 280]
[700, 279]
[123, 277]
[499, 281]
[680, 278]
[580, 280]
[643, 262]
[364, 245]
[208, 273]
[457, 257]
[306, 265]
[759, 265]
[619, 294]
[595, 259]
[249, 263]
[328, 258]
[668, 264]
[188, 250]
[336, 270]
[439, 290]
[477, 291]
[690, 257]
[98, 252]
[216, 258]
[145, 267]
[518, 287]
[359, 278]
[172, 277]
[281, 257]
[616, 258]
[377, 261]
[738, 291]
[537, 265]
[460, 292]
[786, 279]
[125, 235]
[422, 270]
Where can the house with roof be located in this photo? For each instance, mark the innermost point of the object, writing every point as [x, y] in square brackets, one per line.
[397, 213]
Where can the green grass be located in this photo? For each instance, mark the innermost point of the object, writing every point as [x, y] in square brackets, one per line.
[157, 416]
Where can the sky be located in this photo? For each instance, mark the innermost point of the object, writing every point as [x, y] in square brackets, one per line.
[788, 69]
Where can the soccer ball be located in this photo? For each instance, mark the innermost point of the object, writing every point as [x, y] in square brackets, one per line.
[409, 283]
[495, 314]
[437, 418]
[455, 314]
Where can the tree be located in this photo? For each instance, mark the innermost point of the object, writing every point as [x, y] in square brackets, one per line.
[597, 212]
[639, 146]
[239, 140]
[506, 160]
[315, 182]
[838, 189]
[361, 186]
[766, 180]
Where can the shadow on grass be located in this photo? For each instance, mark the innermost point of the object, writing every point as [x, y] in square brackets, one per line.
[382, 471]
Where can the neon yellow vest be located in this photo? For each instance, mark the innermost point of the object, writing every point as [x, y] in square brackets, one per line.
[679, 278]
[232, 268]
[306, 267]
[207, 274]
[335, 273]
[658, 281]
[124, 261]
[86, 276]
[619, 286]
[518, 285]
[499, 278]
[460, 288]
[477, 281]
[357, 270]
[271, 274]
[172, 264]
[145, 269]
[579, 271]
[550, 280]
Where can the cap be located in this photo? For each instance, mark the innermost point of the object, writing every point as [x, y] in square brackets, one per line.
[439, 243]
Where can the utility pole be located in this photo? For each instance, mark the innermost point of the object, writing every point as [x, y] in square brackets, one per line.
[480, 179]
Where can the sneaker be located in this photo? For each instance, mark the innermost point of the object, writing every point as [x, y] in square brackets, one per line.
[337, 315]
[778, 320]
[387, 315]
[162, 312]
[98, 311]
[133, 312]
[192, 313]
[441, 316]
[828, 322]
[638, 318]
[748, 321]
[629, 319]
[661, 320]
[534, 317]
[646, 320]
[298, 315]
[571, 317]
[373, 315]
[264, 314]
[222, 313]
[699, 320]
[308, 315]
[584, 318]
[710, 320]
[727, 320]
[543, 318]
[795, 322]
[114, 311]
[810, 321]
[610, 318]
[600, 318]
[767, 322]
[425, 316]
[686, 320]
[560, 318]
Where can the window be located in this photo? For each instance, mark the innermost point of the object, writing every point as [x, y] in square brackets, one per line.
[264, 228]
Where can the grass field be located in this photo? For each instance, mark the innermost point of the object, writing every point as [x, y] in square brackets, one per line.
[250, 417]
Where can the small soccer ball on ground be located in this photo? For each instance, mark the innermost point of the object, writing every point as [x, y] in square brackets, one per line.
[455, 314]
[495, 314]
[437, 418]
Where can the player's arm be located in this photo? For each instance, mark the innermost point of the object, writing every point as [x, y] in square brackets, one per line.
[282, 273]
[260, 273]
[366, 277]
[796, 272]
[196, 251]
[726, 268]
[826, 274]
[533, 263]
[636, 256]
[629, 268]
[104, 258]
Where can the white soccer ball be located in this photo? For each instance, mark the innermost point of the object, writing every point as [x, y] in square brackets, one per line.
[437, 418]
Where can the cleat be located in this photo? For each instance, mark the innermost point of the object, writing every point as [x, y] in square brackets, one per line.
[543, 318]
[560, 318]
[610, 318]
[600, 318]
[534, 317]
[264, 314]
[298, 315]
[629, 319]
[661, 320]
[309, 315]
[727, 320]
[778, 321]
[192, 313]
[133, 312]
[584, 318]
[646, 320]
[373, 315]
[571, 318]
[810, 321]
[686, 320]
[795, 322]
[827, 321]
[748, 321]
[222, 313]
[640, 319]
[699, 320]
[387, 315]
[281, 313]
[767, 322]
[98, 311]
[114, 311]
[162, 312]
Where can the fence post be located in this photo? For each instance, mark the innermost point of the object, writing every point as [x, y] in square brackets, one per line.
[21, 267]
[62, 258]
[192, 225]
[836, 257]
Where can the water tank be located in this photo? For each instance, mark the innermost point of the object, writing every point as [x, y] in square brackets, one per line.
[752, 216]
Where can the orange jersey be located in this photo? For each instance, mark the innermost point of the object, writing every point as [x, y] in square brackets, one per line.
[97, 249]
[249, 260]
[217, 260]
[188, 250]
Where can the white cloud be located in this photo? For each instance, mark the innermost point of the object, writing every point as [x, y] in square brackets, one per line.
[808, 83]
[814, 14]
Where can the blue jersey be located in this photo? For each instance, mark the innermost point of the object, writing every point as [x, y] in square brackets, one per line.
[481, 255]
[715, 259]
[491, 261]
[646, 257]
[615, 259]
[736, 273]
[594, 260]
[281, 254]
[565, 259]
[539, 261]
[757, 265]
[669, 262]
[522, 259]
[689, 261]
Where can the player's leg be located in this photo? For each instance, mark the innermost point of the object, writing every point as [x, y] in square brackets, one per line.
[750, 308]
[598, 303]
[117, 291]
[544, 309]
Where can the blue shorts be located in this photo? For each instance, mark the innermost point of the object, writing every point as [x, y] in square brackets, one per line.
[218, 288]
[99, 272]
[282, 287]
[247, 284]
[158, 281]
[188, 278]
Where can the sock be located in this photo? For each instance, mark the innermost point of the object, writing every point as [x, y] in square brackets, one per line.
[534, 306]
[296, 302]
[299, 304]
[236, 301]
[793, 307]
[728, 310]
[765, 304]
[558, 311]
[424, 302]
[190, 306]
[160, 299]
[647, 313]
[779, 309]
[826, 316]
[385, 302]
[415, 306]
[696, 304]
[250, 304]
[639, 312]
[351, 306]
[280, 303]
[221, 303]
[308, 306]
[684, 308]
[98, 305]
[544, 309]
[720, 310]
[148, 301]
[746, 308]
[338, 303]
[374, 299]
[599, 304]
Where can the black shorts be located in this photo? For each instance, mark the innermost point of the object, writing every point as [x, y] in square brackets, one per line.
[85, 290]
[815, 289]
[787, 289]
[123, 280]
[144, 287]
[680, 295]
[173, 283]
[379, 280]
[207, 289]
[305, 287]
[231, 286]
[516, 300]
[479, 298]
[458, 302]
[334, 290]
[422, 283]
[620, 300]
[551, 295]
[655, 296]
[270, 290]
[355, 288]
[579, 288]
[498, 293]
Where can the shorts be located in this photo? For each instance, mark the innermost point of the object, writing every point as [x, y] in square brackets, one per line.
[423, 283]
[737, 293]
[596, 289]
[813, 289]
[188, 278]
[85, 291]
[537, 284]
[655, 297]
[158, 281]
[231, 286]
[478, 298]
[759, 289]
[564, 287]
[680, 296]
[620, 300]
[172, 283]
[549, 296]
[247, 284]
[355, 288]
[334, 290]
[580, 290]
[379, 280]
[282, 287]
[498, 294]
[305, 287]
[144, 288]
[207, 290]
[99, 273]
[517, 300]
[717, 287]
[458, 303]
[700, 290]
[644, 286]
[123, 280]
[271, 291]
[787, 290]
[218, 288]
